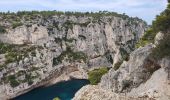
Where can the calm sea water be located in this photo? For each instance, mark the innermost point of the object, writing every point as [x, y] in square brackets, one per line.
[64, 90]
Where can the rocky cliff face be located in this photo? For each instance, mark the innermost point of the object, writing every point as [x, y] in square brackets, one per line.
[44, 48]
[139, 77]
[131, 73]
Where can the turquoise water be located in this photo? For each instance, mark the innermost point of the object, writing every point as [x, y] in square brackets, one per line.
[64, 90]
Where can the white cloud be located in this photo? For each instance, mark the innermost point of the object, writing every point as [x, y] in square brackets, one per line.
[145, 9]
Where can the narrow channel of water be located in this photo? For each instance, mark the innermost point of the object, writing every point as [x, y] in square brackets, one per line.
[64, 90]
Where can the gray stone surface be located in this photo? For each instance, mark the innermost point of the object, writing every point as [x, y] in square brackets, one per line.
[131, 73]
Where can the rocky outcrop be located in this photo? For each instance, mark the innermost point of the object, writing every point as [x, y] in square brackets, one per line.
[158, 37]
[140, 77]
[91, 92]
[157, 87]
[131, 73]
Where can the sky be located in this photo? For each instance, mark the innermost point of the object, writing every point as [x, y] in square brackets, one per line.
[145, 9]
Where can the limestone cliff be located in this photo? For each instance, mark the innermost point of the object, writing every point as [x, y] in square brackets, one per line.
[141, 77]
[36, 49]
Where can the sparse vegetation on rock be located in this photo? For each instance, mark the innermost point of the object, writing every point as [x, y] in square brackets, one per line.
[15, 53]
[161, 24]
[95, 75]
[2, 29]
[16, 24]
[117, 65]
[13, 81]
[147, 38]
[71, 56]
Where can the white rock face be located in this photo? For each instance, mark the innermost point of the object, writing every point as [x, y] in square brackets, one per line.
[24, 34]
[157, 87]
[131, 73]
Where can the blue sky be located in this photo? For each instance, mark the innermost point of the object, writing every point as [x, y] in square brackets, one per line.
[145, 9]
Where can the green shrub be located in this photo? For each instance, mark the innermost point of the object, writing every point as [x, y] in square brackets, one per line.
[11, 57]
[20, 73]
[162, 23]
[68, 24]
[30, 82]
[163, 49]
[16, 24]
[2, 29]
[71, 56]
[95, 75]
[13, 81]
[56, 98]
[82, 37]
[56, 61]
[78, 56]
[109, 57]
[134, 33]
[5, 48]
[147, 38]
[124, 54]
[2, 66]
[70, 40]
[142, 43]
[33, 53]
[29, 78]
[58, 40]
[117, 65]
